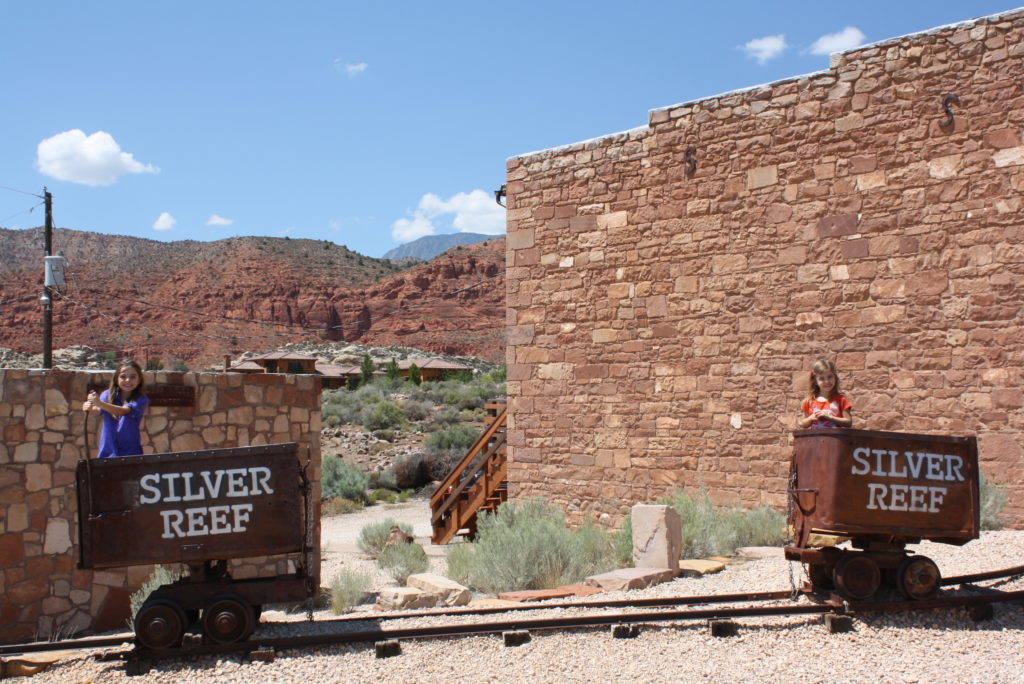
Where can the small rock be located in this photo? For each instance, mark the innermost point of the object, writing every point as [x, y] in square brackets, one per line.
[397, 598]
[452, 593]
[698, 568]
[631, 578]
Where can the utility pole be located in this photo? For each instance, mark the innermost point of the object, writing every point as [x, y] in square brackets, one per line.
[47, 300]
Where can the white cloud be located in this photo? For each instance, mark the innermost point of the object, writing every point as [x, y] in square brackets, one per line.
[473, 212]
[850, 37]
[763, 49]
[354, 70]
[164, 222]
[93, 160]
[218, 220]
[350, 70]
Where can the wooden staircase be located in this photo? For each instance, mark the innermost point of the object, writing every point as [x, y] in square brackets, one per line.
[478, 483]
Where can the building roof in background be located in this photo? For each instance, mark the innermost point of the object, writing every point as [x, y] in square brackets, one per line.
[283, 356]
[332, 371]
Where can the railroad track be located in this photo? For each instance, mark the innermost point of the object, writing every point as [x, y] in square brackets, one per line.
[140, 659]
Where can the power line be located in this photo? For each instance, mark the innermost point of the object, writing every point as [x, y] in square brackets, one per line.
[23, 211]
[23, 192]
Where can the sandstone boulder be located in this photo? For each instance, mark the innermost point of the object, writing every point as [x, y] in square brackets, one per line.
[657, 536]
[451, 593]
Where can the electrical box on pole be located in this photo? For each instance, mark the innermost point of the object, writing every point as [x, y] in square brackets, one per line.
[54, 271]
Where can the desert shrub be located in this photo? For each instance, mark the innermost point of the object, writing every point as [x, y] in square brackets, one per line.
[411, 471]
[472, 415]
[381, 495]
[453, 438]
[417, 410]
[382, 416]
[344, 406]
[992, 496]
[387, 435]
[383, 479]
[402, 560]
[159, 577]
[437, 465]
[709, 530]
[446, 416]
[340, 506]
[339, 479]
[496, 376]
[348, 589]
[623, 545]
[374, 536]
[527, 545]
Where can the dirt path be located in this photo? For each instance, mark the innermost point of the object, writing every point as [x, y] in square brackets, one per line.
[339, 535]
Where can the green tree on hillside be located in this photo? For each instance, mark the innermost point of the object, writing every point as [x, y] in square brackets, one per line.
[366, 369]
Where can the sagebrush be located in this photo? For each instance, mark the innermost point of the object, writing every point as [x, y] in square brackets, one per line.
[339, 479]
[709, 530]
[991, 497]
[348, 589]
[159, 577]
[401, 560]
[373, 537]
[527, 545]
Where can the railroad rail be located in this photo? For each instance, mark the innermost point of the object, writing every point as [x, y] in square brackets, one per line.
[139, 659]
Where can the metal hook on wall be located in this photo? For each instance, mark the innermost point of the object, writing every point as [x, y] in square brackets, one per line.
[947, 100]
[691, 160]
[498, 194]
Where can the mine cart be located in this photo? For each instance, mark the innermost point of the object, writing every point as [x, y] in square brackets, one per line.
[200, 509]
[882, 490]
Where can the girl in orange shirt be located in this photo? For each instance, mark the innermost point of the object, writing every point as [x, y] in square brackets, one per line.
[824, 405]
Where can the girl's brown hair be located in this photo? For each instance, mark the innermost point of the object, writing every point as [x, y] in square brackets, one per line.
[821, 366]
[113, 390]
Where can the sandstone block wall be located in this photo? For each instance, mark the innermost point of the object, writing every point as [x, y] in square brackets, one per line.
[43, 592]
[661, 323]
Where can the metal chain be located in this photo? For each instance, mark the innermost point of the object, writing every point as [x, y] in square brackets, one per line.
[790, 531]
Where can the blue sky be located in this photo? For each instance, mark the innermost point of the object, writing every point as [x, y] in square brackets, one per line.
[366, 124]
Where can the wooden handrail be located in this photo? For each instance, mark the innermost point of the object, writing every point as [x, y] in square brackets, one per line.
[465, 482]
[481, 442]
[470, 488]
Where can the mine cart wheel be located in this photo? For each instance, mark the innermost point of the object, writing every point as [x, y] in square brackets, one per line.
[857, 577]
[227, 619]
[820, 575]
[160, 624]
[918, 578]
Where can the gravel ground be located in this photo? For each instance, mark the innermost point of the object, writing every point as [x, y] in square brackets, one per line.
[925, 646]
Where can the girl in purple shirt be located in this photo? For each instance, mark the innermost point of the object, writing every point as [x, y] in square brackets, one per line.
[122, 405]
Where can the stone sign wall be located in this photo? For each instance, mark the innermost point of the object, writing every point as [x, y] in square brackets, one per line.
[669, 286]
[43, 429]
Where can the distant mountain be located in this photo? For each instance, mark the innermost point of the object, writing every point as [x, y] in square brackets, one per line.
[197, 301]
[430, 246]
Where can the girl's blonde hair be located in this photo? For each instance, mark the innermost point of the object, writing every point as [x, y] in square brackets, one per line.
[821, 366]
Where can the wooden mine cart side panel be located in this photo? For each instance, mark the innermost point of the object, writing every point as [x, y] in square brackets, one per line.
[190, 506]
[855, 482]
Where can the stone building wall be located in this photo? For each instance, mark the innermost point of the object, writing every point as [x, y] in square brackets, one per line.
[662, 322]
[43, 429]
